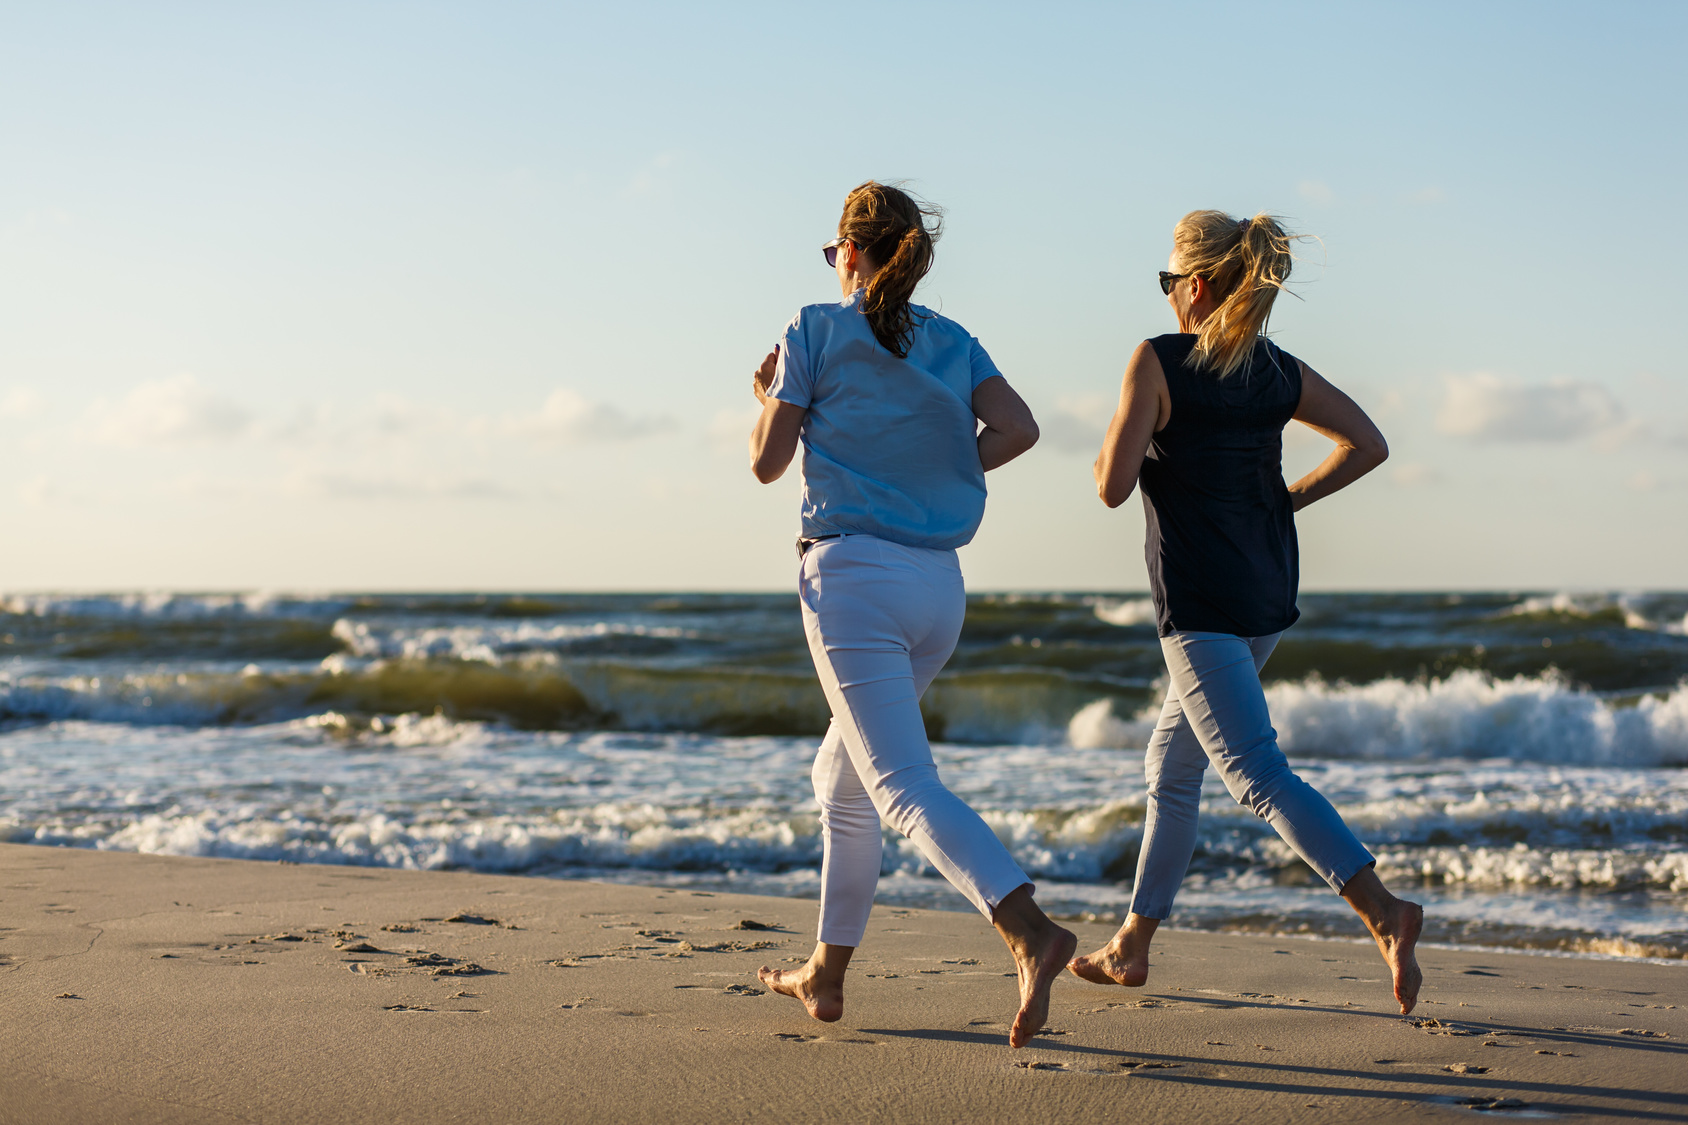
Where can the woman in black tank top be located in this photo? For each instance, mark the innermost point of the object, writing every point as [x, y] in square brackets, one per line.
[1200, 426]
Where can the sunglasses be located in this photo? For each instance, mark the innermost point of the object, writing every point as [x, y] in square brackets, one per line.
[830, 251]
[1168, 280]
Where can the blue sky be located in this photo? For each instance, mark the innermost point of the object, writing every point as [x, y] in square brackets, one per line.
[466, 296]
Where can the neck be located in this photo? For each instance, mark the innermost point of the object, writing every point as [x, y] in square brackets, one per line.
[853, 280]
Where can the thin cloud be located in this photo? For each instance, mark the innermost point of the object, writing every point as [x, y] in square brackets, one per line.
[1077, 424]
[1409, 476]
[1486, 407]
[729, 430]
[167, 413]
[21, 402]
[1315, 191]
[352, 486]
[655, 177]
[569, 418]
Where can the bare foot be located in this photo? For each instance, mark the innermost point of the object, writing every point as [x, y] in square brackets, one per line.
[1112, 965]
[1124, 960]
[822, 997]
[1395, 925]
[1397, 940]
[1038, 963]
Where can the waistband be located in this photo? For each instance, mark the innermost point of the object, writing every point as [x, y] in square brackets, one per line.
[803, 544]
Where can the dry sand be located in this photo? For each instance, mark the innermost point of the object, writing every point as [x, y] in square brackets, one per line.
[149, 988]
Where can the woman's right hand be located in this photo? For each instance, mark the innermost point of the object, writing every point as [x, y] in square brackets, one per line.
[763, 379]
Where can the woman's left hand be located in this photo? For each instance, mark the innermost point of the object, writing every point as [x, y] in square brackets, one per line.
[764, 376]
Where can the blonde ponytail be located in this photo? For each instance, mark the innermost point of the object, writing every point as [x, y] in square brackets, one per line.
[897, 233]
[1247, 262]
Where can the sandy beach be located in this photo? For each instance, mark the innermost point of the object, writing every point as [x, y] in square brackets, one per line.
[148, 988]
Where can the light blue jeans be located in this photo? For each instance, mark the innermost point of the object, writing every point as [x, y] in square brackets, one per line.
[1215, 711]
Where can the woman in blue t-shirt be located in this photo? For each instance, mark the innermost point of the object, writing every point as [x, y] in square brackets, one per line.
[1200, 426]
[886, 398]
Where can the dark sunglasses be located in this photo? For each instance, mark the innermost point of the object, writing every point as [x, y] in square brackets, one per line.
[830, 251]
[1168, 280]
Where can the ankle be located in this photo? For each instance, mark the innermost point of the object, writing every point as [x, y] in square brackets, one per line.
[828, 963]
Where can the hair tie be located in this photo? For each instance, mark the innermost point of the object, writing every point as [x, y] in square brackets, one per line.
[1242, 224]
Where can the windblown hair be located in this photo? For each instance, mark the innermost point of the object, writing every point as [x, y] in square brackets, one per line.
[896, 232]
[1247, 262]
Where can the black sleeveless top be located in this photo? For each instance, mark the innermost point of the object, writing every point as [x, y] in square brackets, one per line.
[1221, 544]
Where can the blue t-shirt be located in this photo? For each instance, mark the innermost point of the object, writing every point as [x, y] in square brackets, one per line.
[890, 446]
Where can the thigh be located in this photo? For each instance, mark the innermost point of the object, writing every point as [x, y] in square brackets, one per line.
[945, 595]
[834, 775]
[1174, 754]
[854, 611]
[1217, 681]
[1262, 648]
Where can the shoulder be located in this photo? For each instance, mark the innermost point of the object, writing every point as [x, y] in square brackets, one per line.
[938, 322]
[825, 313]
[1282, 356]
[1171, 349]
[1276, 358]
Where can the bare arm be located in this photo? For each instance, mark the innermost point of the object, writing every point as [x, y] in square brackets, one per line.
[1144, 408]
[1009, 430]
[1360, 447]
[773, 441]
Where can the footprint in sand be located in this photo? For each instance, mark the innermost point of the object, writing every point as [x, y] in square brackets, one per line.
[467, 919]
[1465, 1068]
[1432, 1026]
[1040, 1066]
[1485, 1105]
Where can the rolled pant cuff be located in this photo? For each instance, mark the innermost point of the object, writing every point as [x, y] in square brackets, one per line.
[1338, 876]
[832, 936]
[1158, 911]
[989, 901]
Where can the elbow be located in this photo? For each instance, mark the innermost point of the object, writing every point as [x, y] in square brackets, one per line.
[1020, 438]
[765, 472]
[1112, 497]
[1378, 451]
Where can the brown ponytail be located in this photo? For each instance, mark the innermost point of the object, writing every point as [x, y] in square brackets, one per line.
[1247, 262]
[896, 232]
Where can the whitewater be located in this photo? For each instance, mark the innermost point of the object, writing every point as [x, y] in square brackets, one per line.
[1519, 762]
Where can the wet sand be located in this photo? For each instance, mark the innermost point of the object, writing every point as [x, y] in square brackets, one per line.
[150, 988]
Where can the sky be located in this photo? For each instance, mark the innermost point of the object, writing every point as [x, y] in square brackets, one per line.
[362, 296]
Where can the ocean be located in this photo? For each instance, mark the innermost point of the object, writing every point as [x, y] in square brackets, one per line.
[1518, 762]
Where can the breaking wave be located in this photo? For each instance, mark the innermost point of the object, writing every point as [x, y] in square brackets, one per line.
[1636, 611]
[1465, 715]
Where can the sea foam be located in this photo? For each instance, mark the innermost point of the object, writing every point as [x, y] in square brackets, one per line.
[1465, 715]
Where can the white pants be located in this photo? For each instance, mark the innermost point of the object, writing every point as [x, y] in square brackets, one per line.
[881, 620]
